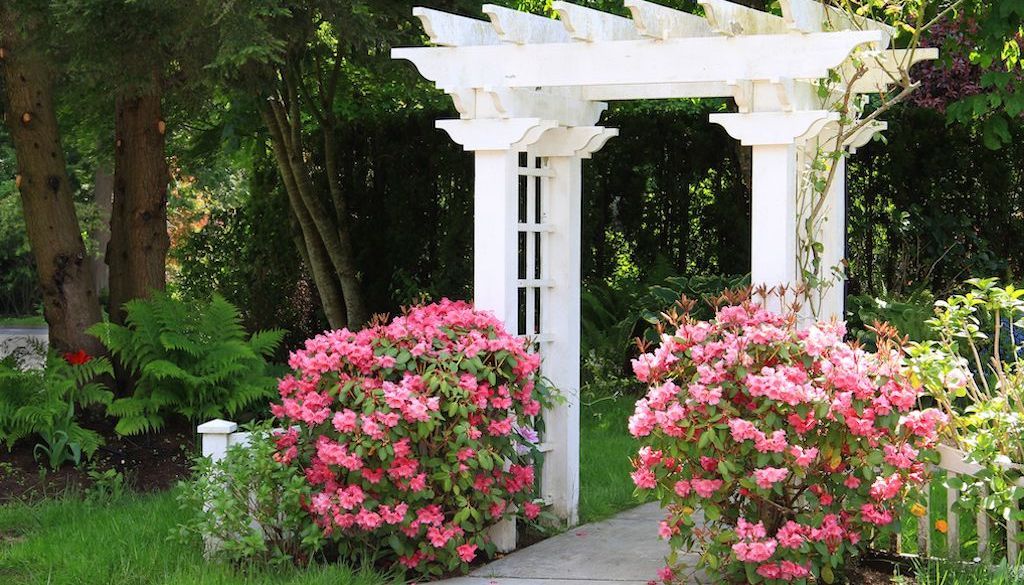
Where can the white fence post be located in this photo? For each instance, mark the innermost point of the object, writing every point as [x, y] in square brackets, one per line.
[216, 437]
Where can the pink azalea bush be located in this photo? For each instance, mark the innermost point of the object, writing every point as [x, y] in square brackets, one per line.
[798, 448]
[415, 436]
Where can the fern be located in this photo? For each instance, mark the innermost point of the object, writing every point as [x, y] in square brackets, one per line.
[44, 403]
[192, 359]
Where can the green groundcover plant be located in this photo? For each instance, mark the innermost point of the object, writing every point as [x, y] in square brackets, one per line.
[798, 448]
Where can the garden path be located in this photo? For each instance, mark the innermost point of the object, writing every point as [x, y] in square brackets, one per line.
[623, 550]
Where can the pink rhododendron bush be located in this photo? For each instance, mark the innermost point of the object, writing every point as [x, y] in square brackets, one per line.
[798, 448]
[415, 436]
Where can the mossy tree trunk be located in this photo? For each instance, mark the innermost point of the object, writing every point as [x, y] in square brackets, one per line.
[64, 270]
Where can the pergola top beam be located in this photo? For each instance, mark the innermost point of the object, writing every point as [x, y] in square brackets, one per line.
[523, 28]
[732, 19]
[587, 24]
[661, 22]
[451, 30]
[818, 16]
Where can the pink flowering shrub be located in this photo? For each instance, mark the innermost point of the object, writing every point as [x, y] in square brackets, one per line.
[415, 436]
[798, 448]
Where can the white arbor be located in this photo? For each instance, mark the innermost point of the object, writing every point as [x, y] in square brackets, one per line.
[530, 92]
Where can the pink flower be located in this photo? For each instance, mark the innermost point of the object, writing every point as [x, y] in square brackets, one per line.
[467, 552]
[748, 531]
[682, 488]
[664, 530]
[803, 457]
[754, 552]
[886, 488]
[531, 510]
[706, 488]
[769, 476]
[705, 394]
[743, 430]
[791, 535]
[774, 444]
[874, 515]
[644, 478]
[665, 574]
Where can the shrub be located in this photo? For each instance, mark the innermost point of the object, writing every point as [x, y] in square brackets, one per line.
[797, 447]
[974, 369]
[46, 401]
[247, 507]
[193, 359]
[415, 436]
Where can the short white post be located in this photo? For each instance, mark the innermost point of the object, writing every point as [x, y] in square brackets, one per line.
[216, 436]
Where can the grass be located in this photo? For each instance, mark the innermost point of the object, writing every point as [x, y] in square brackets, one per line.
[29, 321]
[66, 541]
[959, 574]
[605, 449]
[69, 542]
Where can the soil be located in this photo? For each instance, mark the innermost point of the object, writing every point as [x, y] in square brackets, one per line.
[149, 463]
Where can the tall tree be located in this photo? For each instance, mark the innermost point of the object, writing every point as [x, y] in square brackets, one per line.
[70, 302]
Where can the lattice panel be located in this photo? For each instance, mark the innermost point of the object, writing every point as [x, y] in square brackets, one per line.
[534, 177]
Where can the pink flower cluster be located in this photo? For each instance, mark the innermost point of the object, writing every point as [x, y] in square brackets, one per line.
[417, 432]
[786, 437]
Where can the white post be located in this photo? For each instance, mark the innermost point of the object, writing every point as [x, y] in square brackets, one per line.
[773, 216]
[564, 149]
[773, 136]
[560, 319]
[495, 240]
[833, 238]
[496, 144]
[216, 437]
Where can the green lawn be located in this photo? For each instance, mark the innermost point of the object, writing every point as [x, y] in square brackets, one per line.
[69, 542]
[29, 321]
[605, 449]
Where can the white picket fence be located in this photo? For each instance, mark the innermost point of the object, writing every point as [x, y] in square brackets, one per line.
[953, 463]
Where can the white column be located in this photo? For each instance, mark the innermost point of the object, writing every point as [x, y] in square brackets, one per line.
[833, 238]
[560, 320]
[495, 245]
[773, 215]
[774, 136]
[564, 149]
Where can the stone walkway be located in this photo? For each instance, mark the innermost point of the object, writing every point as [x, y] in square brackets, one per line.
[624, 550]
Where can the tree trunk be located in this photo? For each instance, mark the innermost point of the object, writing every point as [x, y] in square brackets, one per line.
[64, 271]
[312, 248]
[348, 273]
[137, 252]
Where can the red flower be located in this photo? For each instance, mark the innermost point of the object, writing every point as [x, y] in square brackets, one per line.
[77, 358]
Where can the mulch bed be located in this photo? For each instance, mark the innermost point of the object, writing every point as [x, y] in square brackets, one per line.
[149, 463]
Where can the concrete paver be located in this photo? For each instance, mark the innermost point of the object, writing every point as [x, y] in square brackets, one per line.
[623, 550]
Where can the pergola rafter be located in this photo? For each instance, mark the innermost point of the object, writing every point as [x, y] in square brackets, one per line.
[530, 92]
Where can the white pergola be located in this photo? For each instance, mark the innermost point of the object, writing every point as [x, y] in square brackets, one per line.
[530, 91]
